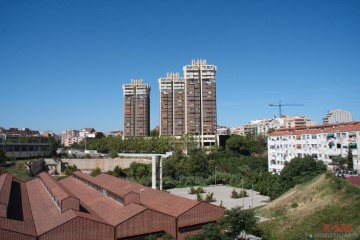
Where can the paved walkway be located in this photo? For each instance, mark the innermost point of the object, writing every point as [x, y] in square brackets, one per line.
[223, 193]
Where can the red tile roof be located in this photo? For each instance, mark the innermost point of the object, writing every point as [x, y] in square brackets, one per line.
[324, 128]
[53, 186]
[5, 186]
[151, 198]
[26, 226]
[113, 212]
[45, 212]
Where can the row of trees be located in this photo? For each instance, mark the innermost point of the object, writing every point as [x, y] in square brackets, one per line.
[240, 164]
[233, 168]
[154, 144]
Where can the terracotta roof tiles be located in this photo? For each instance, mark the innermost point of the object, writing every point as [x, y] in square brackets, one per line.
[110, 210]
[324, 128]
[154, 199]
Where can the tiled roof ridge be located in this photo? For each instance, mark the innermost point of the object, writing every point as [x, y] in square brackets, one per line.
[5, 181]
[120, 193]
[348, 126]
[58, 193]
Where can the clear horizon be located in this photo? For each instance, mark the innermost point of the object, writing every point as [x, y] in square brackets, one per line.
[63, 63]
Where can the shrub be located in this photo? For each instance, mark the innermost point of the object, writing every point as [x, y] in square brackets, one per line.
[199, 197]
[210, 197]
[242, 193]
[294, 205]
[196, 190]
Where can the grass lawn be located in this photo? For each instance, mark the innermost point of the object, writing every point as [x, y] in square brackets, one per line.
[310, 208]
[19, 170]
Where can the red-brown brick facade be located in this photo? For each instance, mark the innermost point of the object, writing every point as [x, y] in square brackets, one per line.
[95, 208]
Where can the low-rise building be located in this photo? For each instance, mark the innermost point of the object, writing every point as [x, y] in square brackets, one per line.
[322, 142]
[15, 134]
[115, 133]
[69, 137]
[102, 207]
[262, 127]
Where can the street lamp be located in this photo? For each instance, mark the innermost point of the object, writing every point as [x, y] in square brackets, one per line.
[242, 181]
[215, 176]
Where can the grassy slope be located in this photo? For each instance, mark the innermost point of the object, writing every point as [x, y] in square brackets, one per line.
[19, 170]
[307, 207]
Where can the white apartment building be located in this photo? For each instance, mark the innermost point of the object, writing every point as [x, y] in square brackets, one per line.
[261, 127]
[69, 137]
[297, 121]
[337, 116]
[322, 142]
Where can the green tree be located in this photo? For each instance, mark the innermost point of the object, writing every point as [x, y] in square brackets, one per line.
[237, 220]
[76, 145]
[340, 161]
[114, 154]
[3, 157]
[211, 231]
[238, 144]
[140, 170]
[118, 172]
[197, 164]
[54, 145]
[70, 170]
[350, 159]
[300, 170]
[154, 133]
[95, 172]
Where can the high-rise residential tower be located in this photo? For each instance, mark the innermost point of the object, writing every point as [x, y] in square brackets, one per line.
[337, 116]
[172, 105]
[136, 109]
[200, 101]
[188, 105]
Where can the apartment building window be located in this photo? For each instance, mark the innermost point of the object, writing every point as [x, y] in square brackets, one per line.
[337, 135]
[299, 155]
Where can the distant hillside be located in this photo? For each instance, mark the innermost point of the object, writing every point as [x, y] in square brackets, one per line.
[327, 204]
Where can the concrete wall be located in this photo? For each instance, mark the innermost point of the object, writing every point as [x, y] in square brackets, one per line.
[105, 164]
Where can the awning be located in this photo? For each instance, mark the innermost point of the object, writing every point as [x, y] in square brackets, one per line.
[330, 135]
[352, 145]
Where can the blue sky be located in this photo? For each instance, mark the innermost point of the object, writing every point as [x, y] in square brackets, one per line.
[63, 63]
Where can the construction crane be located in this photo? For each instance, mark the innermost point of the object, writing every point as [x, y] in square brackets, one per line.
[281, 105]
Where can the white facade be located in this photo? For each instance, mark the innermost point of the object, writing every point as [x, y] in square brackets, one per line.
[322, 142]
[337, 116]
[261, 127]
[297, 121]
[69, 137]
